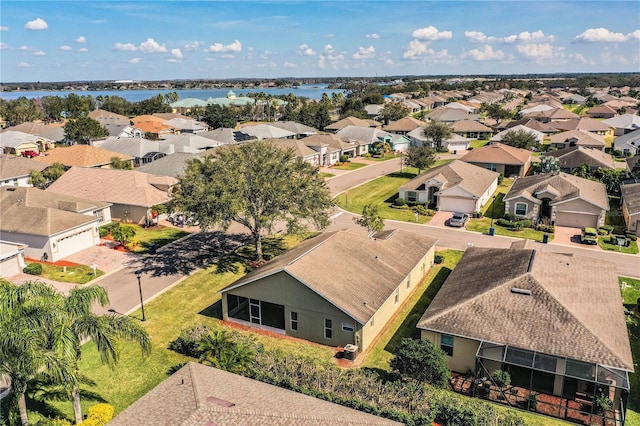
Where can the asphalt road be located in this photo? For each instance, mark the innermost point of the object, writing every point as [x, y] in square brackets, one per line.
[177, 261]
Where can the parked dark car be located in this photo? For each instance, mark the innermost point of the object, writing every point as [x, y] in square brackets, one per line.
[458, 220]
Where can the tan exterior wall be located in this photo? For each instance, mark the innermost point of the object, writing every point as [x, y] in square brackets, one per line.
[130, 214]
[532, 208]
[582, 207]
[632, 221]
[464, 351]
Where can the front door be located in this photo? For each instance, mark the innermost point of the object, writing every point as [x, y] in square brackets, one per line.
[545, 209]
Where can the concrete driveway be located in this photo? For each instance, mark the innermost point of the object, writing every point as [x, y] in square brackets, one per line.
[570, 237]
[107, 258]
[440, 219]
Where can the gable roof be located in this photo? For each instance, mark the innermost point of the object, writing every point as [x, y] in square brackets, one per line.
[333, 141]
[352, 121]
[267, 131]
[297, 145]
[51, 131]
[37, 212]
[171, 165]
[405, 124]
[108, 117]
[575, 156]
[582, 137]
[450, 115]
[538, 135]
[470, 126]
[574, 309]
[602, 109]
[201, 395]
[567, 186]
[631, 197]
[295, 127]
[129, 187]
[499, 154]
[583, 123]
[366, 135]
[533, 124]
[625, 121]
[80, 155]
[15, 138]
[375, 269]
[473, 179]
[14, 167]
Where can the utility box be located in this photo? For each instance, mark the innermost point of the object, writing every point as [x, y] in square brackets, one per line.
[350, 352]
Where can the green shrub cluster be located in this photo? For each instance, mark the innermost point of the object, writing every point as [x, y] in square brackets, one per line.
[32, 269]
[400, 202]
[187, 342]
[438, 259]
[344, 158]
[99, 415]
[514, 225]
[546, 228]
[613, 239]
[605, 230]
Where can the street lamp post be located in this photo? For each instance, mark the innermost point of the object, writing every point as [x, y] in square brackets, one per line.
[138, 276]
[493, 209]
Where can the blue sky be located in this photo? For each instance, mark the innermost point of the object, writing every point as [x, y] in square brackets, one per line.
[116, 40]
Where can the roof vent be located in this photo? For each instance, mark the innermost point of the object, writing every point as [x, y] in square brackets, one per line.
[523, 291]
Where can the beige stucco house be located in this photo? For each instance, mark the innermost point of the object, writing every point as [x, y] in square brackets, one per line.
[11, 259]
[631, 206]
[337, 288]
[456, 187]
[504, 159]
[562, 200]
[555, 322]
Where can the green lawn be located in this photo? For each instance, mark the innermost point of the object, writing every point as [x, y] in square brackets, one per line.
[482, 225]
[478, 143]
[387, 156]
[326, 175]
[630, 295]
[80, 274]
[497, 211]
[631, 249]
[349, 166]
[158, 235]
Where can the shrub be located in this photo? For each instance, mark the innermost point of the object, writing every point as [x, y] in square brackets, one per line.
[430, 212]
[476, 215]
[33, 269]
[367, 155]
[103, 231]
[501, 378]
[442, 149]
[511, 217]
[420, 209]
[500, 179]
[421, 360]
[400, 202]
[187, 342]
[631, 236]
[505, 223]
[344, 158]
[607, 228]
[438, 259]
[525, 223]
[99, 415]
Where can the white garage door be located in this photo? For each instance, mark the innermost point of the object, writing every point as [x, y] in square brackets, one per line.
[462, 205]
[576, 220]
[73, 244]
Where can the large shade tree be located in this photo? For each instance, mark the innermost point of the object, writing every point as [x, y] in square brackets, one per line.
[437, 132]
[421, 157]
[255, 184]
[84, 130]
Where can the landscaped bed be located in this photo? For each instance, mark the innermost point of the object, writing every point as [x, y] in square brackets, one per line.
[348, 166]
[66, 272]
[145, 237]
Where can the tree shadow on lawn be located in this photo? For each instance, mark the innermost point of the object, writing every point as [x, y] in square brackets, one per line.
[408, 326]
[186, 256]
[213, 311]
[405, 175]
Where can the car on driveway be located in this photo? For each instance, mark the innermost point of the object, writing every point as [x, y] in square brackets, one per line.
[29, 153]
[458, 220]
[589, 236]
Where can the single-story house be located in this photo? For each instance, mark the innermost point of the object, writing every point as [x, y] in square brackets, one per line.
[573, 99]
[554, 322]
[49, 133]
[352, 121]
[300, 150]
[267, 131]
[450, 115]
[298, 294]
[453, 144]
[170, 165]
[403, 125]
[131, 193]
[454, 187]
[584, 123]
[575, 156]
[504, 159]
[331, 147]
[16, 142]
[631, 163]
[109, 118]
[562, 199]
[623, 124]
[203, 395]
[629, 143]
[81, 156]
[373, 110]
[11, 258]
[187, 125]
[471, 129]
[15, 171]
[577, 138]
[531, 123]
[365, 137]
[601, 111]
[298, 129]
[51, 225]
[631, 206]
[538, 135]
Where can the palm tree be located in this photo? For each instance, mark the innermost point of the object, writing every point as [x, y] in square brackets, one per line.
[103, 330]
[28, 319]
[228, 351]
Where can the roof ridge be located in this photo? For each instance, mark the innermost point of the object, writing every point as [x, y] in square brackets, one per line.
[310, 250]
[194, 385]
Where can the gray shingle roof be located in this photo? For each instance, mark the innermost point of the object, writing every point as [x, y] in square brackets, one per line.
[575, 156]
[631, 197]
[574, 310]
[473, 179]
[499, 154]
[14, 167]
[375, 267]
[201, 395]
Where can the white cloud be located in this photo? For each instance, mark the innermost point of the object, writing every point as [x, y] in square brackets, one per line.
[39, 53]
[485, 54]
[536, 36]
[416, 48]
[536, 51]
[134, 60]
[373, 35]
[191, 46]
[607, 57]
[4, 46]
[176, 53]
[125, 46]
[288, 64]
[152, 46]
[36, 24]
[236, 46]
[365, 53]
[24, 65]
[328, 49]
[227, 56]
[479, 37]
[602, 34]
[81, 39]
[83, 50]
[634, 35]
[4, 28]
[305, 50]
[25, 48]
[173, 61]
[524, 37]
[431, 33]
[65, 47]
[579, 57]
[388, 61]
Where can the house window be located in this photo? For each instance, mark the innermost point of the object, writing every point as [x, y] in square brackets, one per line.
[371, 323]
[446, 344]
[521, 209]
[348, 327]
[328, 329]
[397, 296]
[491, 167]
[293, 316]
[412, 196]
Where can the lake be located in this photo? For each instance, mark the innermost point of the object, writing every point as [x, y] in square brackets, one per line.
[311, 91]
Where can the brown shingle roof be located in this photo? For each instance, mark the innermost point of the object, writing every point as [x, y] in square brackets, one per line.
[405, 124]
[567, 186]
[352, 121]
[631, 197]
[13, 167]
[473, 179]
[581, 137]
[574, 309]
[114, 186]
[375, 268]
[575, 156]
[498, 153]
[469, 126]
[584, 123]
[201, 395]
[81, 156]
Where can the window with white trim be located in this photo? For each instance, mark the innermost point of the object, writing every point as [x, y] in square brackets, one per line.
[521, 209]
[293, 317]
[412, 196]
[397, 296]
[491, 167]
[328, 329]
[350, 328]
[446, 344]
